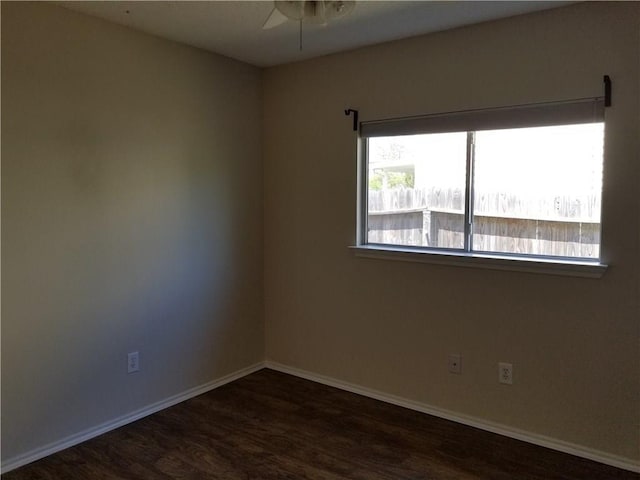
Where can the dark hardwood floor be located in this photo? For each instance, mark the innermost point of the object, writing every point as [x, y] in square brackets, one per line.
[269, 425]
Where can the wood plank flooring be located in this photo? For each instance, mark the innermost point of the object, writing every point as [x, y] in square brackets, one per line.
[269, 425]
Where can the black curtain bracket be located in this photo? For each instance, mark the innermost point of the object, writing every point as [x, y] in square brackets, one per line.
[607, 91]
[348, 112]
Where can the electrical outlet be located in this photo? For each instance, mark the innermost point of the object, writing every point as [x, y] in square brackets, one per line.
[505, 373]
[455, 363]
[133, 362]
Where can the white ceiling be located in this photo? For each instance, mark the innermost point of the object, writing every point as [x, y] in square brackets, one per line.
[234, 28]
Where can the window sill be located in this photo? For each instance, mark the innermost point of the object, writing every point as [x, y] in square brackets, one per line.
[562, 266]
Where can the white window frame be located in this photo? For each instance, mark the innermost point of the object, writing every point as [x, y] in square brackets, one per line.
[587, 110]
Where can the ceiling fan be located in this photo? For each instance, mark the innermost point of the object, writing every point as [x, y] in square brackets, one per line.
[307, 11]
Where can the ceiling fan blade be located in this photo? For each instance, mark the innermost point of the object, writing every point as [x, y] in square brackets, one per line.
[320, 13]
[275, 18]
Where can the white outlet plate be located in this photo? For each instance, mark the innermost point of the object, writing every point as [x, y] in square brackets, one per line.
[455, 363]
[505, 373]
[133, 362]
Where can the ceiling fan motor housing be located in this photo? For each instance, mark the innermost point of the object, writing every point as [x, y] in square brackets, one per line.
[318, 12]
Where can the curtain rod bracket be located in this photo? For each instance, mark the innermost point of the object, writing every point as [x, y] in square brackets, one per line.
[348, 112]
[607, 91]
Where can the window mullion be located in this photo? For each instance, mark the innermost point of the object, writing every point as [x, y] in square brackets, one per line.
[363, 207]
[468, 194]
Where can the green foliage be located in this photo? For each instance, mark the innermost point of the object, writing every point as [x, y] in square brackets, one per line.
[375, 183]
[388, 179]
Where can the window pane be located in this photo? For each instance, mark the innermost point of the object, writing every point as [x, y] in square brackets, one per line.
[538, 190]
[416, 190]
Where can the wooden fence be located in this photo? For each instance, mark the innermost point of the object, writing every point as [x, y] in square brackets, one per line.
[512, 223]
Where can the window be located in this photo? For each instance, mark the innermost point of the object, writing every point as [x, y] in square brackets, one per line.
[522, 182]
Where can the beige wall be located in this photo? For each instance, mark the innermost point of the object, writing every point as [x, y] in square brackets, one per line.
[389, 326]
[131, 220]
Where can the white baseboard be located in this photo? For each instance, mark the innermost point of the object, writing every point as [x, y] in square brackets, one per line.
[543, 441]
[41, 452]
[533, 438]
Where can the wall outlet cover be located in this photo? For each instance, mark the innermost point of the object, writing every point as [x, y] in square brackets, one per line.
[455, 363]
[133, 362]
[505, 373]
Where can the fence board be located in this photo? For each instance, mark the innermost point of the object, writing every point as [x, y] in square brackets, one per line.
[504, 222]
